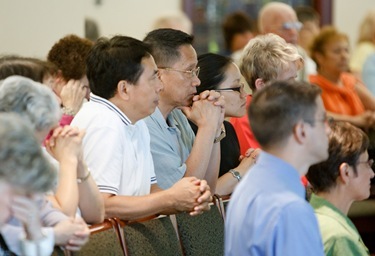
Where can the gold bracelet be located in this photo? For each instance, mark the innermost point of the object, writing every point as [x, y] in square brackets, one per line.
[81, 180]
[68, 111]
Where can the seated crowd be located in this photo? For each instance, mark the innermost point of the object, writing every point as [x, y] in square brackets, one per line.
[123, 128]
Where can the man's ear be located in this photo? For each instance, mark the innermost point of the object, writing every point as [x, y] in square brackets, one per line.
[299, 132]
[344, 173]
[259, 83]
[123, 87]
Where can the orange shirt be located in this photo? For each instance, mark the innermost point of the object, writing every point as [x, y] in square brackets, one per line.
[340, 100]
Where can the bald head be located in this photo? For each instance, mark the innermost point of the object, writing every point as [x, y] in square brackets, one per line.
[280, 19]
[178, 21]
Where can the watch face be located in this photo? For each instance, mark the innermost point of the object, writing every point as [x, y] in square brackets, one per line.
[237, 173]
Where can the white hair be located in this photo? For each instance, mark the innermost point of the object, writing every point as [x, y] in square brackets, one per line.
[35, 102]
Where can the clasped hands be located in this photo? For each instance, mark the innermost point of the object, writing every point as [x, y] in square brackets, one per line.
[191, 195]
[207, 109]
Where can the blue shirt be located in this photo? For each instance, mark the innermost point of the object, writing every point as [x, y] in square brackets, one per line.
[268, 215]
[171, 143]
[368, 73]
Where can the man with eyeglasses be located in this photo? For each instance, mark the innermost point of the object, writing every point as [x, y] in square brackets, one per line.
[268, 213]
[125, 86]
[281, 19]
[176, 151]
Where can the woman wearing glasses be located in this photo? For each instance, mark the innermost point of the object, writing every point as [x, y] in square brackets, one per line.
[221, 74]
[343, 178]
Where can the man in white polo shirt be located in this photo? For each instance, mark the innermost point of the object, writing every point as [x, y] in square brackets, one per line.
[125, 86]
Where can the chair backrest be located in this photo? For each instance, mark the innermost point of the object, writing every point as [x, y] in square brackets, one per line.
[202, 234]
[150, 237]
[104, 240]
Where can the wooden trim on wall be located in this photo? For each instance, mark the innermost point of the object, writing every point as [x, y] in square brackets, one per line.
[324, 8]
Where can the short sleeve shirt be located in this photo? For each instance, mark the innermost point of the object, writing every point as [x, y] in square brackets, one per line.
[116, 151]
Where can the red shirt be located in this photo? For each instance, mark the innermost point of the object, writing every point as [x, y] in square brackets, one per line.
[243, 130]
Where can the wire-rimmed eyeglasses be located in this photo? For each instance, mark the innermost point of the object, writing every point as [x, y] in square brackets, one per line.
[326, 119]
[192, 73]
[369, 163]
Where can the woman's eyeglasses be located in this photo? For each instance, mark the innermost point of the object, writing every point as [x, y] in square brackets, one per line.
[233, 89]
[369, 163]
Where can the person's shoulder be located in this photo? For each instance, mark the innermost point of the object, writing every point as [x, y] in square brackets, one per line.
[294, 205]
[92, 113]
[90, 110]
[343, 244]
[141, 126]
[332, 225]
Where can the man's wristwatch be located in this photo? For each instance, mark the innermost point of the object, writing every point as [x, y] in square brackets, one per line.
[235, 174]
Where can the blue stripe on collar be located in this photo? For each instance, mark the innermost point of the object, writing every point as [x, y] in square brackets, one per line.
[111, 106]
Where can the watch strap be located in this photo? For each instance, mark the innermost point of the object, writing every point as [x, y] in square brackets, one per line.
[235, 174]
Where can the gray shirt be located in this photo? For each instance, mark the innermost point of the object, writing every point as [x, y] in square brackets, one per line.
[171, 143]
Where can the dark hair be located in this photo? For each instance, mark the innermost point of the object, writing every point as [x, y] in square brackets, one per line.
[69, 55]
[236, 23]
[32, 68]
[346, 144]
[307, 13]
[212, 70]
[276, 108]
[165, 43]
[113, 60]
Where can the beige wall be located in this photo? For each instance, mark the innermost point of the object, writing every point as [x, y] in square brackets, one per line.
[348, 14]
[31, 27]
[129, 17]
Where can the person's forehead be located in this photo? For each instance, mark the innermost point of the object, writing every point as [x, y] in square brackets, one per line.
[335, 41]
[277, 16]
[289, 72]
[188, 56]
[285, 16]
[148, 63]
[232, 72]
[364, 155]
